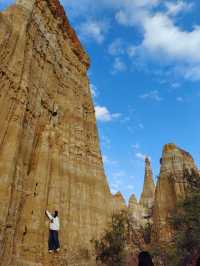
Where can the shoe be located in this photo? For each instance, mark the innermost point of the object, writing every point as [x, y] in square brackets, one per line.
[50, 251]
[58, 249]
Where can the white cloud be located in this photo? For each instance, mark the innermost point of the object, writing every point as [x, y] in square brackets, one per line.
[153, 95]
[104, 115]
[119, 65]
[140, 156]
[162, 36]
[177, 7]
[93, 30]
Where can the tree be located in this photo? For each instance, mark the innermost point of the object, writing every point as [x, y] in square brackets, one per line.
[186, 222]
[110, 248]
[113, 247]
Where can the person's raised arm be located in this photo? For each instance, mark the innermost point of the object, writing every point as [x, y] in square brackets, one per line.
[49, 215]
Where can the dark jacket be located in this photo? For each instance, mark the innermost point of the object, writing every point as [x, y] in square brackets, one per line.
[145, 259]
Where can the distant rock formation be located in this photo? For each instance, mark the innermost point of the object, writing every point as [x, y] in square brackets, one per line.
[136, 211]
[132, 202]
[119, 202]
[141, 211]
[49, 154]
[148, 194]
[171, 186]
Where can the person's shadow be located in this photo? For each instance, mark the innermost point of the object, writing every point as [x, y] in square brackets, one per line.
[145, 259]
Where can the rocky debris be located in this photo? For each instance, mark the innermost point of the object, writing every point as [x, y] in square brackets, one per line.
[171, 186]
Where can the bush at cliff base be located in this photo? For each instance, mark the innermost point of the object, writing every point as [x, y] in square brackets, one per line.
[119, 240]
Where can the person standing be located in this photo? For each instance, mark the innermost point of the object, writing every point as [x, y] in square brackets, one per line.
[145, 259]
[54, 226]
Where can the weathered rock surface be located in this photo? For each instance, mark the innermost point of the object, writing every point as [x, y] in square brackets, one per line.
[171, 186]
[132, 201]
[147, 197]
[49, 153]
[142, 211]
[136, 211]
[119, 203]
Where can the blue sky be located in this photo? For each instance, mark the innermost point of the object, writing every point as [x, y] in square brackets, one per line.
[145, 78]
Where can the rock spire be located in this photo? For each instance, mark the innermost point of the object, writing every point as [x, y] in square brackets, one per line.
[119, 202]
[147, 197]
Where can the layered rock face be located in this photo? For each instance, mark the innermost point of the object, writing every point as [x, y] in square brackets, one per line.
[171, 186]
[49, 153]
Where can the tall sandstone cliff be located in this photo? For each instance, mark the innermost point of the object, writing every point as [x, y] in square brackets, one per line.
[49, 148]
[171, 187]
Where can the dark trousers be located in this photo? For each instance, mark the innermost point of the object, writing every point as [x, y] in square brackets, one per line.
[53, 240]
